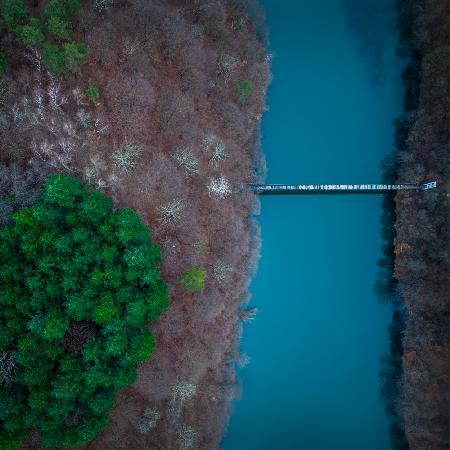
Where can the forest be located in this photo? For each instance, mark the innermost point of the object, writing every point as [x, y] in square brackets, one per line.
[149, 114]
[415, 269]
[79, 284]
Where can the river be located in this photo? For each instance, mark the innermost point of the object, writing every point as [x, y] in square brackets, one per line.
[312, 382]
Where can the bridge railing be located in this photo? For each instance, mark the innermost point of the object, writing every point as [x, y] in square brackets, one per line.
[292, 188]
[429, 185]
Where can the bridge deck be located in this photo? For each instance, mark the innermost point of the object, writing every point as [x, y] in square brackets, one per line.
[293, 188]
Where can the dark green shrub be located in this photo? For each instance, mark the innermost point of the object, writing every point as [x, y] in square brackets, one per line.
[193, 279]
[93, 93]
[59, 28]
[14, 13]
[31, 34]
[243, 90]
[3, 61]
[11, 441]
[79, 283]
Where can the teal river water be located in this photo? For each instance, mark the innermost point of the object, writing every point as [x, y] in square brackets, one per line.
[312, 382]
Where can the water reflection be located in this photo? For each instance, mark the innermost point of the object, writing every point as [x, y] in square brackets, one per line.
[371, 21]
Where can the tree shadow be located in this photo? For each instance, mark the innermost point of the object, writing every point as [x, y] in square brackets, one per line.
[373, 23]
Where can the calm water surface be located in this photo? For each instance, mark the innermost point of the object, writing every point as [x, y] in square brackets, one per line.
[313, 382]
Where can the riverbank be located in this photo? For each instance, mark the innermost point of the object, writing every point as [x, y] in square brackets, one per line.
[422, 265]
[181, 88]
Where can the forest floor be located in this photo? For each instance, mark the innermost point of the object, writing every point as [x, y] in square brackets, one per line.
[171, 136]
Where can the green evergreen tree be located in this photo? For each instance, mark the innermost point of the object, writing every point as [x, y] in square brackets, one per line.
[193, 279]
[243, 90]
[93, 93]
[74, 56]
[52, 59]
[59, 28]
[31, 34]
[14, 13]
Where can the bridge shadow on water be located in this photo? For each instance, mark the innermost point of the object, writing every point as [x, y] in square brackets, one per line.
[327, 193]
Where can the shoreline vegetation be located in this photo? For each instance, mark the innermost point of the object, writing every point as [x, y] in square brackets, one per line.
[162, 113]
[414, 276]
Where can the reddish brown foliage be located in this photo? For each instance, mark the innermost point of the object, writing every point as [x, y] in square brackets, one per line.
[423, 264]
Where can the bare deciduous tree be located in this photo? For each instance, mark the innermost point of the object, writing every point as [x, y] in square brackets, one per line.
[222, 271]
[186, 437]
[125, 156]
[243, 361]
[181, 392]
[58, 155]
[56, 98]
[248, 315]
[226, 66]
[186, 159]
[130, 46]
[219, 187]
[101, 5]
[171, 105]
[215, 148]
[6, 90]
[171, 212]
[7, 367]
[148, 420]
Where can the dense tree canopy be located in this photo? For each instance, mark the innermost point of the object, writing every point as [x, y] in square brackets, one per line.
[52, 30]
[79, 283]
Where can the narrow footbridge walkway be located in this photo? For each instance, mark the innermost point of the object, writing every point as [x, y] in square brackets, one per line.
[336, 188]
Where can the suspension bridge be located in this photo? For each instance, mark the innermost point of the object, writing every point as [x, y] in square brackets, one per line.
[298, 189]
